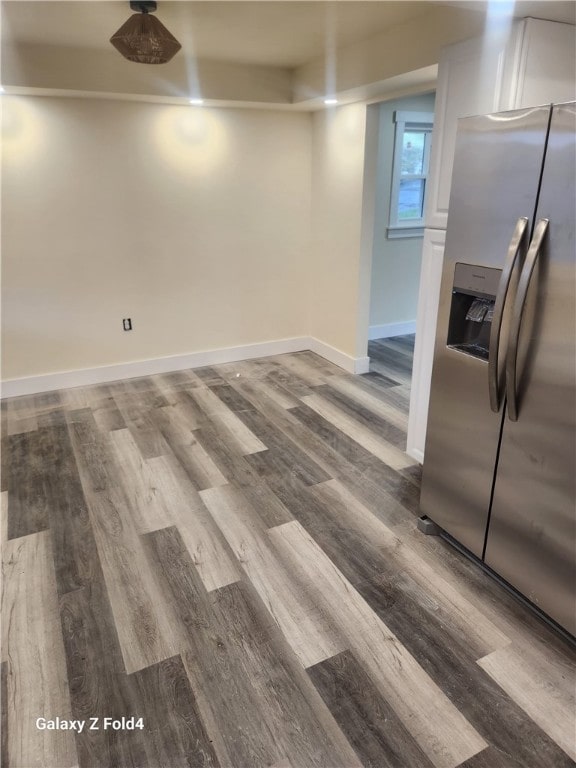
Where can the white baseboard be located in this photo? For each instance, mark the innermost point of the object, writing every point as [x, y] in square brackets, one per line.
[341, 359]
[391, 329]
[84, 377]
[416, 453]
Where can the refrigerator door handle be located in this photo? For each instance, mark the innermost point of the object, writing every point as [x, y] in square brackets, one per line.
[517, 245]
[516, 323]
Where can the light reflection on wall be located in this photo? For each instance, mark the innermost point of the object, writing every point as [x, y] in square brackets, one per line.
[193, 140]
[345, 128]
[22, 135]
[497, 29]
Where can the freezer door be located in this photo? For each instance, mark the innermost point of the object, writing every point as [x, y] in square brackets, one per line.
[497, 167]
[532, 532]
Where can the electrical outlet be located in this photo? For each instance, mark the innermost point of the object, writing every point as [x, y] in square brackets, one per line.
[127, 323]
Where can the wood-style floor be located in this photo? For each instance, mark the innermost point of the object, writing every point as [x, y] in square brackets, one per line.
[230, 554]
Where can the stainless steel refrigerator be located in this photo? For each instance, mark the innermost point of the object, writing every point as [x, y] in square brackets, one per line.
[500, 458]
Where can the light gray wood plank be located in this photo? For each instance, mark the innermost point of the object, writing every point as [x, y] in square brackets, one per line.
[202, 537]
[147, 505]
[76, 398]
[387, 453]
[306, 629]
[36, 672]
[543, 684]
[18, 424]
[147, 631]
[434, 722]
[237, 433]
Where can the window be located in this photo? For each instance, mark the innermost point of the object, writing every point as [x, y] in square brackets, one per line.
[411, 157]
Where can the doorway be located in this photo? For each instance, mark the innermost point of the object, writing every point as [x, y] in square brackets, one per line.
[402, 151]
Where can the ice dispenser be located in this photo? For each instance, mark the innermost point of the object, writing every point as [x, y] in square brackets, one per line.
[473, 297]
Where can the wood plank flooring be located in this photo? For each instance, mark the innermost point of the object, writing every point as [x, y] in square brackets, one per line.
[230, 554]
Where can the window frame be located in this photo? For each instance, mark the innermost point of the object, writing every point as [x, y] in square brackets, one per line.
[406, 122]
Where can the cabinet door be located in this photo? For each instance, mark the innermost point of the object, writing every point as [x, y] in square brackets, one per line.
[546, 71]
[428, 298]
[473, 79]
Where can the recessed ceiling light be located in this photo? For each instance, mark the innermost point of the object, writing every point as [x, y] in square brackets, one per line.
[330, 102]
[1, 89]
[196, 102]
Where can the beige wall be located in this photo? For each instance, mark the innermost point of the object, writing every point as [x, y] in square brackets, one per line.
[104, 71]
[395, 263]
[338, 140]
[193, 222]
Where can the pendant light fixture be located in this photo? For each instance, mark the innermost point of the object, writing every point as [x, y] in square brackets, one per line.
[143, 38]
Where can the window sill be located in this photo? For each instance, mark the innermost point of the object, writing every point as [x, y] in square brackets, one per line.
[394, 233]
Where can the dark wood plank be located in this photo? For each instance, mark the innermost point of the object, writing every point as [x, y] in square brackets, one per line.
[173, 725]
[43, 480]
[402, 344]
[209, 376]
[289, 381]
[235, 467]
[232, 398]
[92, 452]
[332, 437]
[389, 358]
[136, 406]
[47, 400]
[26, 477]
[68, 514]
[357, 558]
[319, 447]
[262, 701]
[267, 506]
[282, 452]
[362, 470]
[369, 722]
[106, 412]
[95, 667]
[378, 380]
[405, 491]
[364, 416]
[4, 460]
[52, 418]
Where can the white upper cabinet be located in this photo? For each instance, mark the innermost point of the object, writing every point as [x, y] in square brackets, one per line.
[532, 63]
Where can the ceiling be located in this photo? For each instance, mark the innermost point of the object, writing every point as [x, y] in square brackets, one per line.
[275, 33]
[284, 34]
